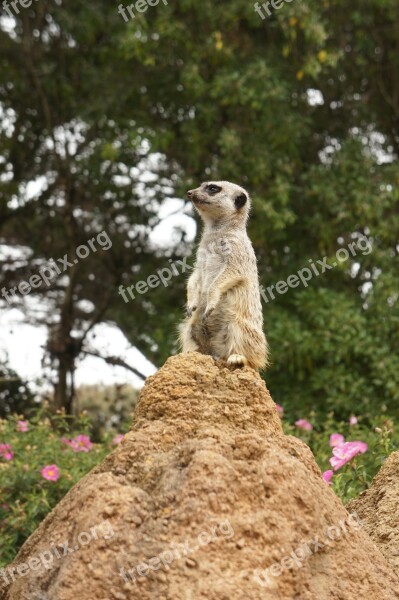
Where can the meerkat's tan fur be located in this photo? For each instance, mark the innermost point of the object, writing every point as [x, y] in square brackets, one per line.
[224, 311]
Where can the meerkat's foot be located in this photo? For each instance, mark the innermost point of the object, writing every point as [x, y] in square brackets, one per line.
[236, 360]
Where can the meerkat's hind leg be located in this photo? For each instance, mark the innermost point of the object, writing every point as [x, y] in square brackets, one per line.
[246, 346]
[187, 342]
[236, 360]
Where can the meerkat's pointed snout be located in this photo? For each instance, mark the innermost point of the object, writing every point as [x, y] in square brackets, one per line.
[196, 197]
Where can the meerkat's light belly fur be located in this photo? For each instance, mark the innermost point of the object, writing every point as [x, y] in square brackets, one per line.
[224, 307]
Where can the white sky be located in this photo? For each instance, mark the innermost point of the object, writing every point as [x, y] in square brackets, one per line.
[23, 345]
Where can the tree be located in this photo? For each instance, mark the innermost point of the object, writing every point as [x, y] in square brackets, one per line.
[300, 107]
[74, 159]
[15, 395]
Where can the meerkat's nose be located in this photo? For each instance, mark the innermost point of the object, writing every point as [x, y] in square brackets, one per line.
[190, 193]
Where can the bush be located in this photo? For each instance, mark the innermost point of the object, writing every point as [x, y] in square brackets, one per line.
[40, 461]
[379, 439]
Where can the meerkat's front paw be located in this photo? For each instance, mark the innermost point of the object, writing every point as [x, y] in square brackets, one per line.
[236, 360]
[190, 310]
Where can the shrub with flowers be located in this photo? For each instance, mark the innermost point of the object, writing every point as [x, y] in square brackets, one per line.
[40, 461]
[348, 453]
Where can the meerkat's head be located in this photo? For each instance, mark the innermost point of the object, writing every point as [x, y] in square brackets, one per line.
[221, 201]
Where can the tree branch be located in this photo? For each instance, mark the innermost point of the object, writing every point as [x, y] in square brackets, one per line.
[116, 362]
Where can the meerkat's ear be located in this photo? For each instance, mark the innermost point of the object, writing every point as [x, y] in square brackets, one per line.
[240, 201]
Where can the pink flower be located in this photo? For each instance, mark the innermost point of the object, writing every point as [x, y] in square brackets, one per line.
[345, 452]
[336, 439]
[51, 472]
[304, 424]
[23, 426]
[81, 443]
[6, 452]
[327, 476]
[117, 439]
[353, 420]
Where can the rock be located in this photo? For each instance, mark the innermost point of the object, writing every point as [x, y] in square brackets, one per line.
[378, 507]
[200, 502]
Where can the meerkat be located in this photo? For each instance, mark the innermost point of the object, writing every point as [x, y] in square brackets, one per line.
[224, 310]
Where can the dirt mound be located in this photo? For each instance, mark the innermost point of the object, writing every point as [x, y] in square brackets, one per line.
[205, 498]
[378, 507]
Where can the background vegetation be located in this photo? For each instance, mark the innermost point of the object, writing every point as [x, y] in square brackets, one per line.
[109, 119]
[212, 91]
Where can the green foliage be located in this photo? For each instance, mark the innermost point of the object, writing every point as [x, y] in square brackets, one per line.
[232, 100]
[26, 497]
[301, 108]
[379, 433]
[15, 395]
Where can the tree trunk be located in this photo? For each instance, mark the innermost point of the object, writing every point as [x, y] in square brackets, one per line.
[61, 385]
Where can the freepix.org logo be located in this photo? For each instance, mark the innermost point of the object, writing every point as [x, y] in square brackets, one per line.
[141, 6]
[303, 276]
[15, 7]
[163, 276]
[275, 4]
[54, 268]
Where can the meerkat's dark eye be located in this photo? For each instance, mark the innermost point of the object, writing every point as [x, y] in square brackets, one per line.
[240, 200]
[213, 189]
